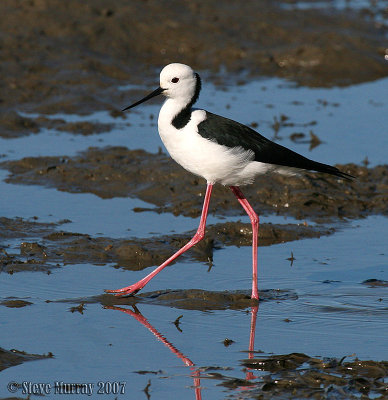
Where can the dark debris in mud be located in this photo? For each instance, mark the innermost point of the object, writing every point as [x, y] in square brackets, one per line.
[298, 376]
[156, 179]
[52, 248]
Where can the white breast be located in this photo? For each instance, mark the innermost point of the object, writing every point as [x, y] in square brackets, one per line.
[203, 157]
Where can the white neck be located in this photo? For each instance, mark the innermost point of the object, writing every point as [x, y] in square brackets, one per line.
[170, 109]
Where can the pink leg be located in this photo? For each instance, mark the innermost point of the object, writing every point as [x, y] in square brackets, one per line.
[132, 289]
[255, 231]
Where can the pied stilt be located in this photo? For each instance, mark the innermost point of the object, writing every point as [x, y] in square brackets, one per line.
[218, 149]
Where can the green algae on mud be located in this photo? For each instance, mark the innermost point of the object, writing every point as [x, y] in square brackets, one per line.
[155, 178]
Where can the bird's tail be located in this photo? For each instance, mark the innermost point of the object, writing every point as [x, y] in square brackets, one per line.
[328, 169]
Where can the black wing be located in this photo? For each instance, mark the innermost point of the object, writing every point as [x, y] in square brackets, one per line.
[230, 133]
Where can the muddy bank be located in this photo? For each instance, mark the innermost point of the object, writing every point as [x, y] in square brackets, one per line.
[156, 179]
[10, 358]
[197, 299]
[52, 248]
[13, 125]
[182, 299]
[70, 56]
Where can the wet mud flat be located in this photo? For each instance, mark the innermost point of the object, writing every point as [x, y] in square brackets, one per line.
[44, 246]
[118, 172]
[155, 178]
[71, 56]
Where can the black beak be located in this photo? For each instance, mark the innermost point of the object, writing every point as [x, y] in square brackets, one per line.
[156, 92]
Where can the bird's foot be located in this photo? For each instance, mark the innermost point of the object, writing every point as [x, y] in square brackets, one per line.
[128, 290]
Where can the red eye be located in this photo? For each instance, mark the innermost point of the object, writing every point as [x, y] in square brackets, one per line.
[175, 80]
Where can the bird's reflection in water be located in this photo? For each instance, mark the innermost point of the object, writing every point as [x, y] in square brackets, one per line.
[251, 351]
[195, 371]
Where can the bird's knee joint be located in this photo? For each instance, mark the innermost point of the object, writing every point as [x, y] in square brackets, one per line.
[255, 220]
[198, 236]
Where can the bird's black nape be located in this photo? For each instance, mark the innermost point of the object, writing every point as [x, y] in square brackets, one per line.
[183, 117]
[198, 87]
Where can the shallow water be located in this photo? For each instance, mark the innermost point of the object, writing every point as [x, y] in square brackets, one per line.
[325, 309]
[351, 122]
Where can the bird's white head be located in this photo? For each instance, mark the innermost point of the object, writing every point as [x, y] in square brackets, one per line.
[178, 82]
